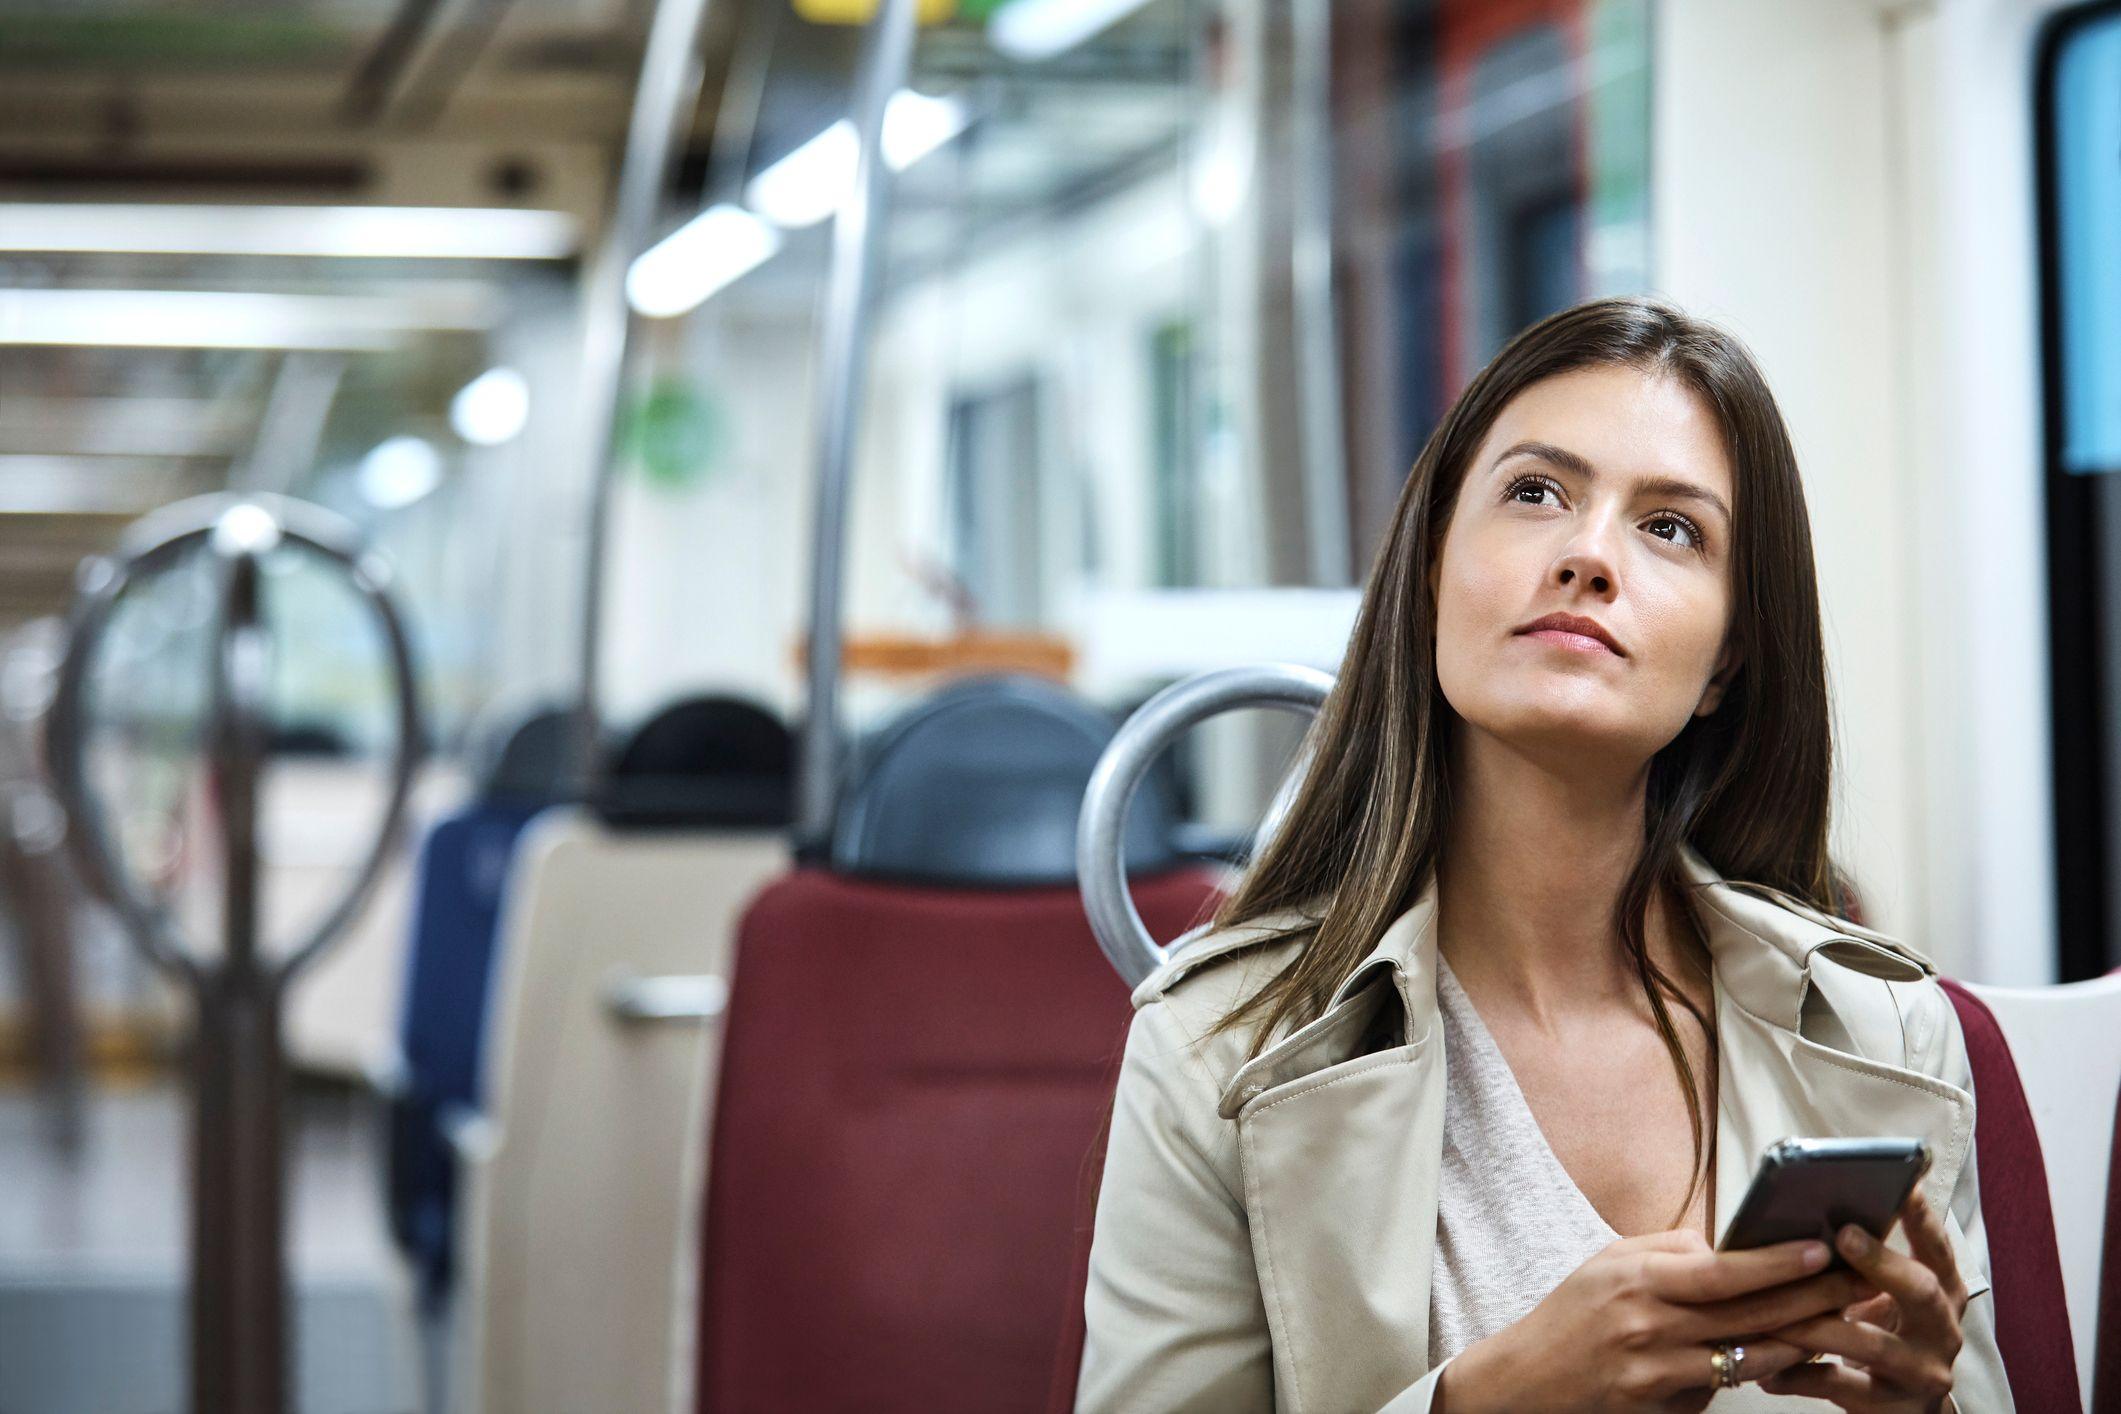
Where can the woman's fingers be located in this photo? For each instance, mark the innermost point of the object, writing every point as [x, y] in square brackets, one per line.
[1691, 1366]
[1871, 1346]
[1903, 1340]
[1851, 1389]
[1706, 1275]
[1763, 1311]
[1885, 1355]
[1879, 1310]
[1921, 1292]
[1764, 1355]
[1932, 1246]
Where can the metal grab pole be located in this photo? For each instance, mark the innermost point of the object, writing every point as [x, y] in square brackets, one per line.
[34, 881]
[849, 297]
[1311, 268]
[37, 888]
[239, 1291]
[663, 100]
[239, 1301]
[1101, 833]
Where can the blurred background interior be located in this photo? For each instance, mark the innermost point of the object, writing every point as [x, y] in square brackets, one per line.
[1165, 297]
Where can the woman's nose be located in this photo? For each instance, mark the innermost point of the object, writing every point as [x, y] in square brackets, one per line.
[1590, 555]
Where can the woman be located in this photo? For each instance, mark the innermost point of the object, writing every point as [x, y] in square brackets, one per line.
[1448, 1108]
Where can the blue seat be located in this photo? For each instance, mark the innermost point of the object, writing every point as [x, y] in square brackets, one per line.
[462, 878]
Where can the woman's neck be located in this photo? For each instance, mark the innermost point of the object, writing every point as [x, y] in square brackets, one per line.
[1531, 869]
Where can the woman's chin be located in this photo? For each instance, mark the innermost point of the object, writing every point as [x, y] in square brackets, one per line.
[1600, 737]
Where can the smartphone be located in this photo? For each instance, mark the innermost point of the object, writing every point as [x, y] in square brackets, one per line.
[1810, 1187]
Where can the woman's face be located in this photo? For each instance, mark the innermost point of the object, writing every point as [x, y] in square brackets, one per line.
[1562, 511]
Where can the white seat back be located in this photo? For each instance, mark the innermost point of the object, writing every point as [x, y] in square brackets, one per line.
[582, 1228]
[2066, 1042]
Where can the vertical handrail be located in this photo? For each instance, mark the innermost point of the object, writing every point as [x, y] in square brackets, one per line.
[1311, 254]
[239, 1302]
[35, 880]
[849, 301]
[239, 1289]
[663, 101]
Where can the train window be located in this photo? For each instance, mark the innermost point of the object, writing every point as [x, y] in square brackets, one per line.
[2078, 122]
[1470, 168]
[995, 484]
[1061, 321]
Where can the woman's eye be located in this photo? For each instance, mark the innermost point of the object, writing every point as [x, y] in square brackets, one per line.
[1686, 526]
[1529, 483]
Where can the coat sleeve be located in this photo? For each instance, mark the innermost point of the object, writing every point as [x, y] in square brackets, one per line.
[1174, 1320]
[1979, 1384]
[1173, 1316]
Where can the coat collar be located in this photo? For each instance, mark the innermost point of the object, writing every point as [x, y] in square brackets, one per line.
[1760, 940]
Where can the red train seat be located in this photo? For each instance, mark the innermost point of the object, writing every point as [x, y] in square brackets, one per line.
[914, 1085]
[918, 1059]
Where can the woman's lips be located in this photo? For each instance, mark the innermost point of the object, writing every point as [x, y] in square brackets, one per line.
[1574, 642]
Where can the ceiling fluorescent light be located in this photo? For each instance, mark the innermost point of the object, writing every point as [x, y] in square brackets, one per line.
[715, 247]
[373, 232]
[225, 319]
[492, 408]
[811, 182]
[399, 471]
[1031, 30]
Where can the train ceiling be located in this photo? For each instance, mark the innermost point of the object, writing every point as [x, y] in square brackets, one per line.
[500, 103]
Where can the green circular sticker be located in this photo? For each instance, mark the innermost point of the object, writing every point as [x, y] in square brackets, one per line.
[674, 433]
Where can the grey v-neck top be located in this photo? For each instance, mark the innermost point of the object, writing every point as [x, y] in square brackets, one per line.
[1510, 1222]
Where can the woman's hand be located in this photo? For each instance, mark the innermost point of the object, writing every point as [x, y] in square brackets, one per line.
[1902, 1342]
[1631, 1328]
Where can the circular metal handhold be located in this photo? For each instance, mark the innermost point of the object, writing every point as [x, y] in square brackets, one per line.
[238, 530]
[1101, 833]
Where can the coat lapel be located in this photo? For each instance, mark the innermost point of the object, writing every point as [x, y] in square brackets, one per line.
[1340, 1156]
[1341, 1151]
[1817, 1052]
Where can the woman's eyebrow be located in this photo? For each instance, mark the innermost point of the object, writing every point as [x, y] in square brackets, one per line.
[1581, 466]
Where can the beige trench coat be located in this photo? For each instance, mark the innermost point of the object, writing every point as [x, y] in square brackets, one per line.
[1264, 1229]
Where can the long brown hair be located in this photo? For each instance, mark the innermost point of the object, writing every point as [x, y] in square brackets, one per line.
[1748, 785]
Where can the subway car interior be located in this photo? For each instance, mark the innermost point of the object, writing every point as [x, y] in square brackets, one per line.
[731, 575]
